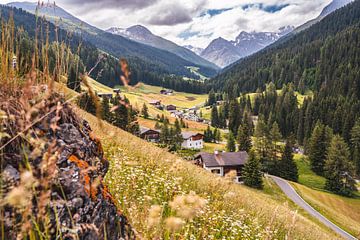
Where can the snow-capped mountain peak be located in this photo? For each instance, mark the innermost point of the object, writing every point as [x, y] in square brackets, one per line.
[245, 44]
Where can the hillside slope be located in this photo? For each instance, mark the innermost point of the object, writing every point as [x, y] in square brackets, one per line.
[142, 175]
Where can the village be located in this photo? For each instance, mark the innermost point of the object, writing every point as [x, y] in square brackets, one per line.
[215, 159]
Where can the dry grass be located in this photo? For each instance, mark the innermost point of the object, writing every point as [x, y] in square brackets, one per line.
[142, 176]
[343, 211]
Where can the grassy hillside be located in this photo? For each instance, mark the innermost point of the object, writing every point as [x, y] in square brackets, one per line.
[144, 179]
[343, 211]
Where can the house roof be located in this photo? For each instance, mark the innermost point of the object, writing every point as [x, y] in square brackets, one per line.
[223, 159]
[187, 135]
[145, 129]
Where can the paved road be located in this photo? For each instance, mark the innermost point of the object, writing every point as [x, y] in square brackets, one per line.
[292, 194]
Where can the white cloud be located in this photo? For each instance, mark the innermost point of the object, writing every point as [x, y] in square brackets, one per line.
[182, 18]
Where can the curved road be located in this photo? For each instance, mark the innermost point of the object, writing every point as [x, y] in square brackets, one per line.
[295, 197]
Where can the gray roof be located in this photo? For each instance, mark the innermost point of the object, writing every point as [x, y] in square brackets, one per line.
[223, 159]
[145, 129]
[187, 135]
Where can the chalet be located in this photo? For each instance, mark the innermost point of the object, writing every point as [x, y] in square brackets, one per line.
[222, 163]
[105, 95]
[167, 92]
[170, 107]
[176, 114]
[192, 140]
[149, 134]
[155, 102]
[117, 90]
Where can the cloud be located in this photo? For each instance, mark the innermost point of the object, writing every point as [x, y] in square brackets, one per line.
[170, 15]
[195, 22]
[110, 4]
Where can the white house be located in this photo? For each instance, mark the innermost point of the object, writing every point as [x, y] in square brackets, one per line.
[192, 140]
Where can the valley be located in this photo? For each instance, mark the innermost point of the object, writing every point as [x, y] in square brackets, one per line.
[141, 120]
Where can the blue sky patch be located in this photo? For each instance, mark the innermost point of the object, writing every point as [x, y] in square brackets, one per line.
[214, 12]
[266, 8]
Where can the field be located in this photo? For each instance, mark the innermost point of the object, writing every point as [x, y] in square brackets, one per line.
[144, 178]
[343, 211]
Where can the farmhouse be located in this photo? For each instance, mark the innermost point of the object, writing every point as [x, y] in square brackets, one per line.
[149, 134]
[117, 90]
[170, 107]
[105, 95]
[155, 102]
[192, 140]
[222, 163]
[167, 92]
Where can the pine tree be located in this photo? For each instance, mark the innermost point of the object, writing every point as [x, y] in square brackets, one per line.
[355, 145]
[339, 170]
[157, 125]
[105, 110]
[252, 172]
[317, 147]
[287, 166]
[235, 116]
[244, 138]
[212, 98]
[177, 136]
[145, 111]
[231, 144]
[214, 116]
[217, 135]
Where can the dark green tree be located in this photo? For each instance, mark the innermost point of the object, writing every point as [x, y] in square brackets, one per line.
[252, 172]
[287, 166]
[317, 147]
[145, 111]
[355, 145]
[214, 116]
[339, 169]
[244, 138]
[231, 144]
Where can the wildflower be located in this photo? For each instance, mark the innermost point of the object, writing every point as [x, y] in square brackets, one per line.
[18, 197]
[154, 215]
[174, 223]
[188, 206]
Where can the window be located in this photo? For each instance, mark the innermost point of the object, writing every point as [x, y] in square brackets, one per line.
[216, 171]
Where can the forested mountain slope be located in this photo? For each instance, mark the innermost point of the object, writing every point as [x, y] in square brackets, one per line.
[107, 70]
[324, 59]
[161, 61]
[311, 59]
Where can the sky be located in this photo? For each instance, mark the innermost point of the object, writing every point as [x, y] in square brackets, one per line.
[194, 22]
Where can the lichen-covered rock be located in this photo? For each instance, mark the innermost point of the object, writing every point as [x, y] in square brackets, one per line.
[67, 196]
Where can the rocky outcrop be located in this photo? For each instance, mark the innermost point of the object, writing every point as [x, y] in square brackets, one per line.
[57, 165]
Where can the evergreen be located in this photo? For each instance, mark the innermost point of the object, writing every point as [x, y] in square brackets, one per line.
[287, 166]
[355, 145]
[214, 116]
[244, 138]
[317, 147]
[339, 169]
[252, 172]
[145, 111]
[105, 110]
[231, 144]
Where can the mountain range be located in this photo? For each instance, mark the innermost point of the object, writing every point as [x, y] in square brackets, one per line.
[143, 35]
[224, 52]
[166, 56]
